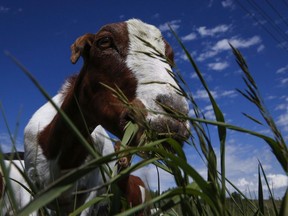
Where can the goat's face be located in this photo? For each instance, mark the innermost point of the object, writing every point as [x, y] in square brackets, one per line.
[134, 57]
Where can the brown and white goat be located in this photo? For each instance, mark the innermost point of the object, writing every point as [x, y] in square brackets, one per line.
[131, 56]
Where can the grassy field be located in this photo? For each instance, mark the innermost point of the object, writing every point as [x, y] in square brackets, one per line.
[192, 195]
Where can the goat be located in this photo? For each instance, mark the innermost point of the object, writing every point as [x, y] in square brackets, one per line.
[117, 56]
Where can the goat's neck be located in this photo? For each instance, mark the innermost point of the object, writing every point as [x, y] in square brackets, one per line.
[58, 140]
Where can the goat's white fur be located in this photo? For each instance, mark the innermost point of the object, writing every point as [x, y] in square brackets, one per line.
[43, 171]
[151, 73]
[143, 193]
[22, 196]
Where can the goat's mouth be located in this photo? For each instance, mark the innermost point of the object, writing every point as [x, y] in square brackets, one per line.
[160, 127]
[168, 127]
[156, 125]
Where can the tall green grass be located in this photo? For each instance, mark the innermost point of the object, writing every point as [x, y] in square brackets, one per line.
[192, 194]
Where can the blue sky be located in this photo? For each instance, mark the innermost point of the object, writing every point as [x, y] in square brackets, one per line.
[39, 34]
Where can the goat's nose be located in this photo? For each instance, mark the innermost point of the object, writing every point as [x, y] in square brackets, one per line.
[172, 103]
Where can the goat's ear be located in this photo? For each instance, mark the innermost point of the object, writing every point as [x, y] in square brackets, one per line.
[81, 46]
[169, 53]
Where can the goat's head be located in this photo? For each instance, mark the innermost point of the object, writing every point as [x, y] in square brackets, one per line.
[131, 56]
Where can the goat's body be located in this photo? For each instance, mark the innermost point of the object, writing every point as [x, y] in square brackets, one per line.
[43, 171]
[21, 195]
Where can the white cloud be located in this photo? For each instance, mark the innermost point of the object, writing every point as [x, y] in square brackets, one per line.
[242, 154]
[202, 94]
[210, 4]
[208, 54]
[260, 48]
[282, 120]
[228, 4]
[284, 81]
[236, 42]
[174, 24]
[229, 93]
[189, 37]
[207, 108]
[277, 180]
[149, 175]
[218, 66]
[282, 70]
[244, 183]
[4, 9]
[217, 94]
[277, 183]
[241, 164]
[223, 45]
[156, 16]
[193, 75]
[6, 143]
[241, 168]
[271, 97]
[282, 106]
[209, 112]
[203, 31]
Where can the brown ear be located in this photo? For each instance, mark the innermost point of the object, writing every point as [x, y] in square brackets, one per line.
[169, 53]
[80, 46]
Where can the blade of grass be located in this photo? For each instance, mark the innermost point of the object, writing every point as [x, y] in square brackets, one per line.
[269, 189]
[130, 131]
[219, 117]
[278, 146]
[174, 194]
[5, 175]
[44, 199]
[90, 203]
[260, 193]
[284, 205]
[252, 118]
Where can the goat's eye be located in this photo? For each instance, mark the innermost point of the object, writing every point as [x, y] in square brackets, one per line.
[105, 42]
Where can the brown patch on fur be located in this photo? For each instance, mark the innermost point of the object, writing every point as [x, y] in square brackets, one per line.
[130, 187]
[169, 53]
[97, 103]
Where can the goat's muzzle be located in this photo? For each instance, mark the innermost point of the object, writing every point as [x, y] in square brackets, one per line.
[170, 121]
